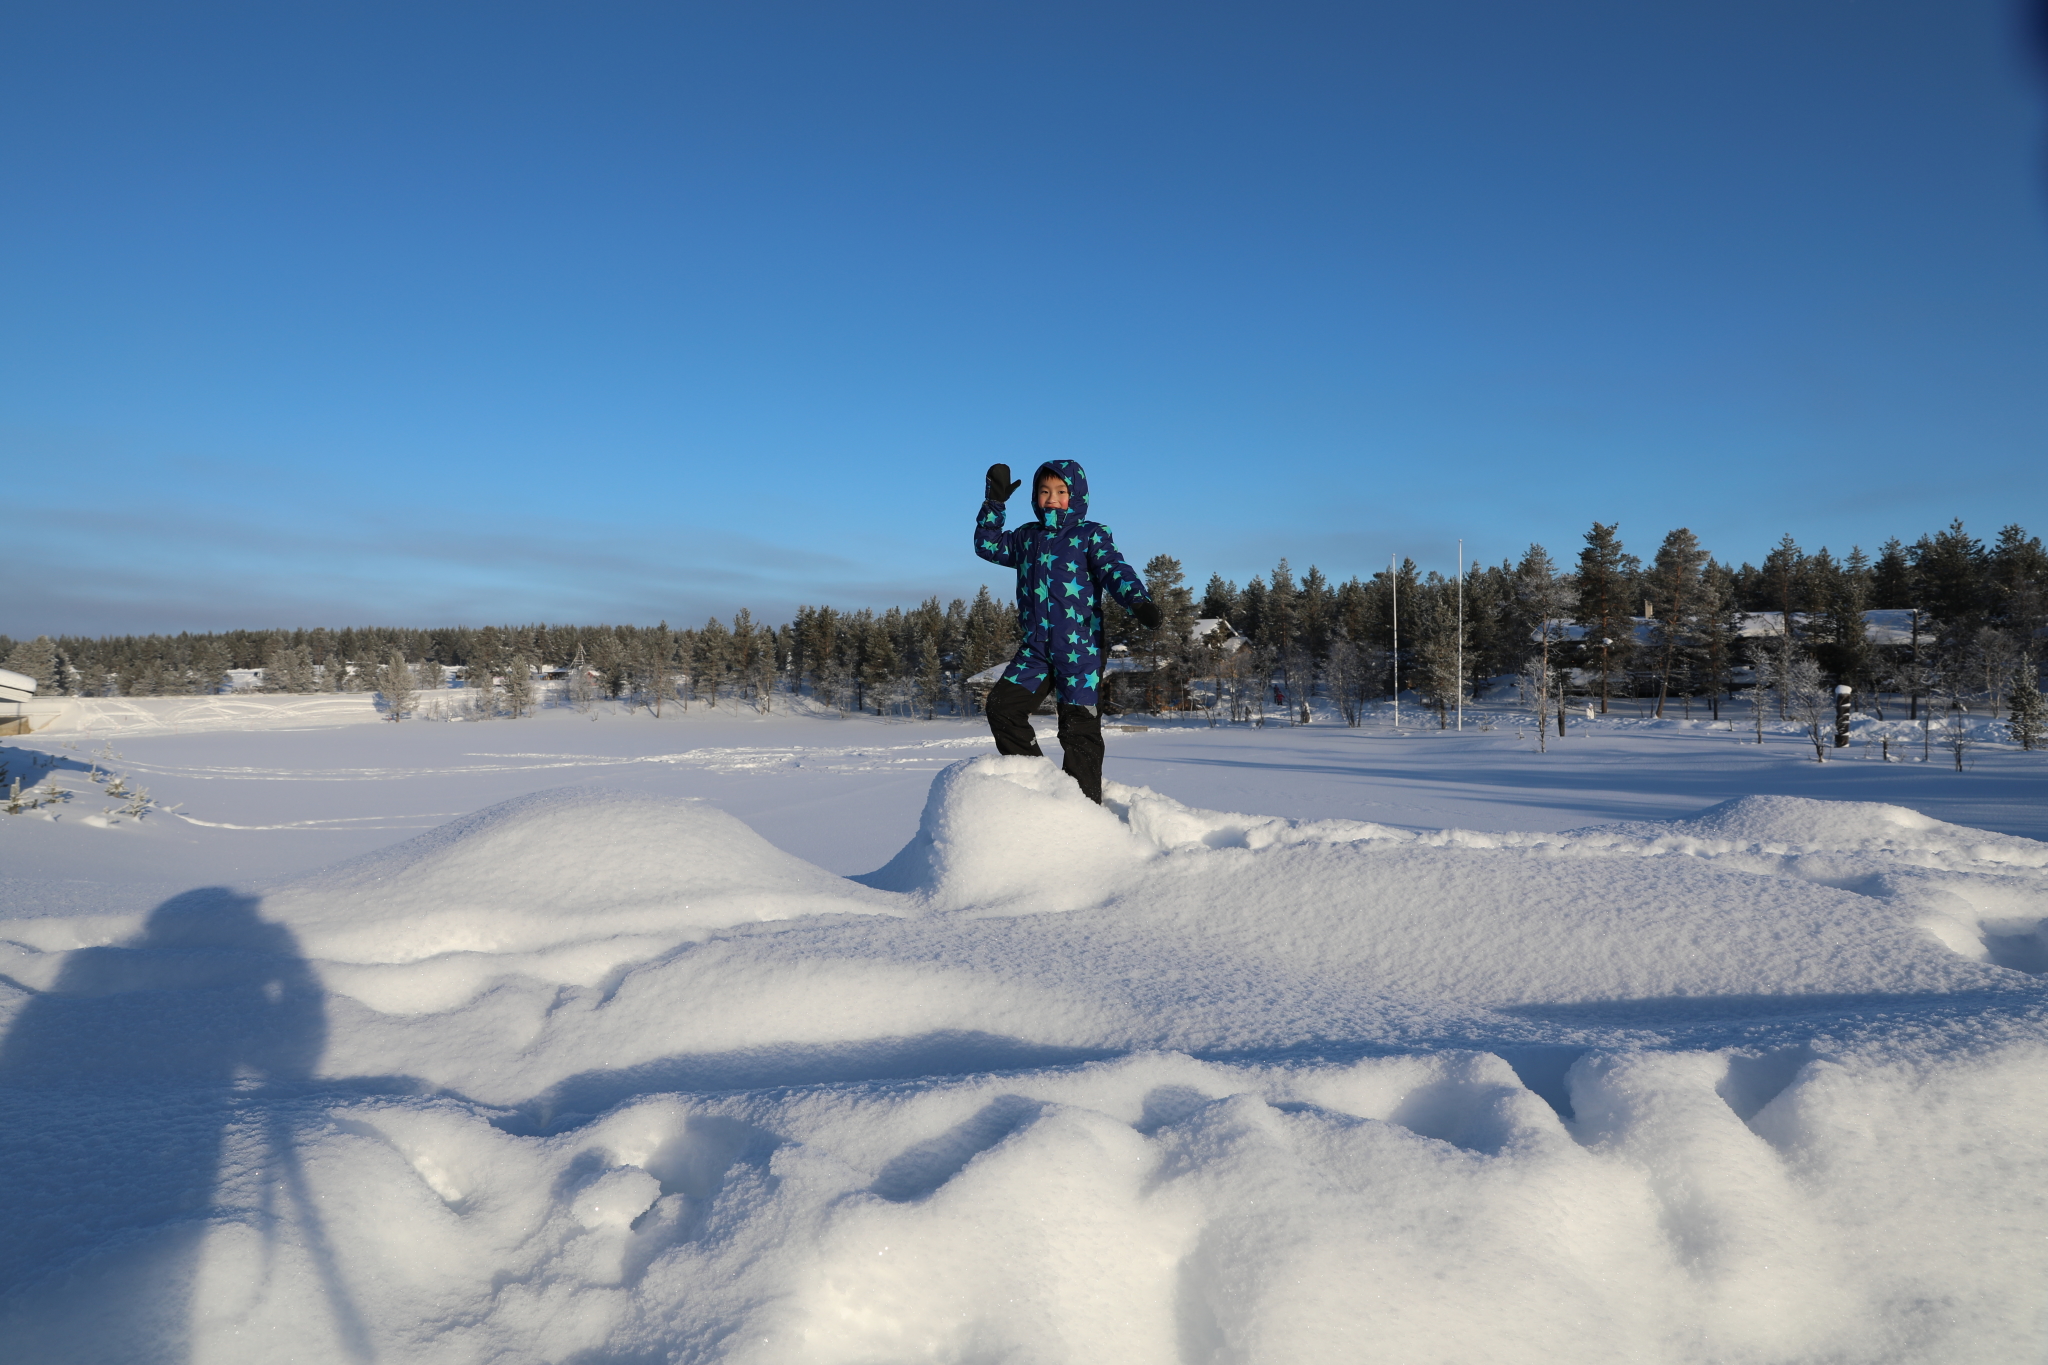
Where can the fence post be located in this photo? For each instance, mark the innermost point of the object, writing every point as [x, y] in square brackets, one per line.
[1842, 694]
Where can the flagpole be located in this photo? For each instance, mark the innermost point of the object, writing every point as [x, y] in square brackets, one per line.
[1394, 586]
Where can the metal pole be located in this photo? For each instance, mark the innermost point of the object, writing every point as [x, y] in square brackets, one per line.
[1394, 586]
[1461, 632]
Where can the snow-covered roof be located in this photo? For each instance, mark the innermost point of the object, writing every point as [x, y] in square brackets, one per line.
[1879, 627]
[1885, 626]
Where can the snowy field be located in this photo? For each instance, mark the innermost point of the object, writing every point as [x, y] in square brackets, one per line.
[722, 1037]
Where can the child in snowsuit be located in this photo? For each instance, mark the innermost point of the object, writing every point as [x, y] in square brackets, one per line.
[1064, 564]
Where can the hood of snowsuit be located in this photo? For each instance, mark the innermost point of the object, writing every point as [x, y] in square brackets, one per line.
[1077, 491]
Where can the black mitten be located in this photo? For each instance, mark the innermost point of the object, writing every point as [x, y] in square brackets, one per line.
[1147, 614]
[1000, 485]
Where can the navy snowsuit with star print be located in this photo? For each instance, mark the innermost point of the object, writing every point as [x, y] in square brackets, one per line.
[1064, 564]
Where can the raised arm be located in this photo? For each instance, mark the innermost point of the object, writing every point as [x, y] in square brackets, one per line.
[991, 541]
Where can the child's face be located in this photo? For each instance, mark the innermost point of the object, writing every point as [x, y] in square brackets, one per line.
[1052, 494]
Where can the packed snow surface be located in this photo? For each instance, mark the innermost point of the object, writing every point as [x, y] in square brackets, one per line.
[598, 1073]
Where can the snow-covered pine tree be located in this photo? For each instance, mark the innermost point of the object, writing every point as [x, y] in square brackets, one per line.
[331, 675]
[429, 676]
[1811, 701]
[607, 660]
[276, 666]
[299, 676]
[711, 660]
[653, 667]
[519, 685]
[582, 692]
[210, 663]
[2029, 715]
[36, 659]
[394, 681]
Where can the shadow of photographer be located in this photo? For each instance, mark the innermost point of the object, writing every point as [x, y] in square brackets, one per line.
[127, 1083]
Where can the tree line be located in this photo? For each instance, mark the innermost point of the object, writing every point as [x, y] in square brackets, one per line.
[1679, 625]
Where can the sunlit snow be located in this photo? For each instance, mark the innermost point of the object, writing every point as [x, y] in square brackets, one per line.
[571, 1040]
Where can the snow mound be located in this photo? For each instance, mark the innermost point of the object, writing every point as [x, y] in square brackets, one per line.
[1795, 824]
[555, 867]
[564, 887]
[1013, 835]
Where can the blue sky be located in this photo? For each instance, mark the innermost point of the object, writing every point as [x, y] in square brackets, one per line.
[336, 313]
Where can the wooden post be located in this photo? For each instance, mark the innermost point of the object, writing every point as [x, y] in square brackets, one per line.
[1842, 695]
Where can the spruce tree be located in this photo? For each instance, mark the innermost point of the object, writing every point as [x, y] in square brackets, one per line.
[519, 685]
[983, 645]
[1314, 612]
[1891, 579]
[210, 663]
[930, 675]
[1605, 589]
[2019, 582]
[878, 662]
[1673, 583]
[1842, 596]
[1949, 568]
[712, 659]
[1437, 676]
[37, 660]
[1277, 615]
[1220, 600]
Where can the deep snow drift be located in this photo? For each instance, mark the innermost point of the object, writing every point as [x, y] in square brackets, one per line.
[603, 1075]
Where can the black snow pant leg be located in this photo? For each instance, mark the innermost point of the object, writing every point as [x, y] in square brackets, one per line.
[1009, 710]
[1081, 738]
